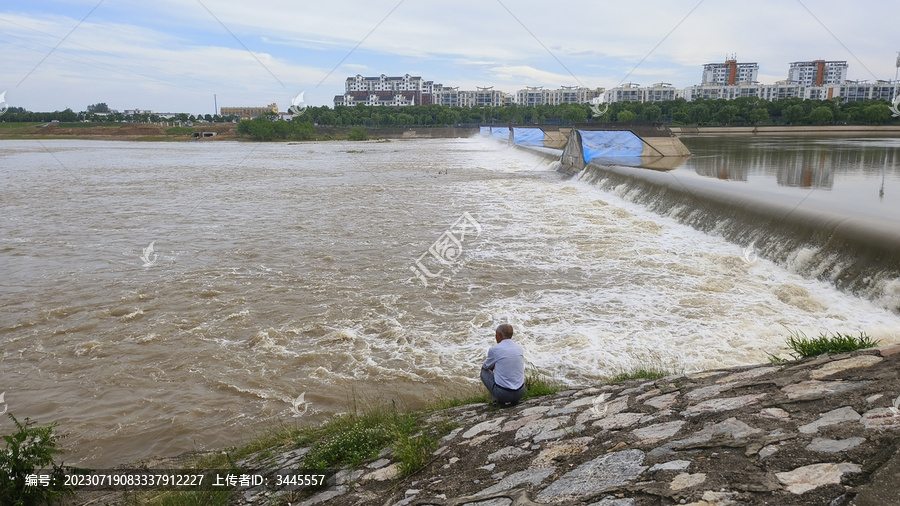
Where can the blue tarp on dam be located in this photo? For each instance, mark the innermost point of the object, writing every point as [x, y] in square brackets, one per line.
[609, 143]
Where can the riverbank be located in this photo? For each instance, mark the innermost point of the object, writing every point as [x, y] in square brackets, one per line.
[829, 130]
[204, 132]
[113, 131]
[228, 131]
[821, 430]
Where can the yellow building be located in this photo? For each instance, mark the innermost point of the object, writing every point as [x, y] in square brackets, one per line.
[248, 111]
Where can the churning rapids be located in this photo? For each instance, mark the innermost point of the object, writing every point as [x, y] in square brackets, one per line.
[165, 297]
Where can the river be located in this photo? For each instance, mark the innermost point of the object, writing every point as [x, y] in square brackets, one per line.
[159, 298]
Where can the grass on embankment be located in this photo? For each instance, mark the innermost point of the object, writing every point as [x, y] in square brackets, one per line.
[15, 126]
[648, 367]
[803, 346]
[640, 372]
[346, 441]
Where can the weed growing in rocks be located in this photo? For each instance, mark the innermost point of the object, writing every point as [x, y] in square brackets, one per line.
[353, 439]
[536, 385]
[803, 346]
[349, 440]
[649, 373]
[409, 437]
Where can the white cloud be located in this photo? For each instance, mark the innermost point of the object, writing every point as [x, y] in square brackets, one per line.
[175, 54]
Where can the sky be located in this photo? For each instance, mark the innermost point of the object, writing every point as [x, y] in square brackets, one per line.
[191, 55]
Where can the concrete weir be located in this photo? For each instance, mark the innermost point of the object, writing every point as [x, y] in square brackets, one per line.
[648, 146]
[652, 147]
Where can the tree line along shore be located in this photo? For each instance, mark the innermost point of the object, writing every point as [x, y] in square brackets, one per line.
[746, 111]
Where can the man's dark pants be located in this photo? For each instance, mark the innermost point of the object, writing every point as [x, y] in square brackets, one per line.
[499, 394]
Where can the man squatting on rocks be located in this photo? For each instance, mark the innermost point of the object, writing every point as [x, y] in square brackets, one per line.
[503, 373]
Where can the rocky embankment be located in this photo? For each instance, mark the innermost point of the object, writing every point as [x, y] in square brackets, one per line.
[819, 431]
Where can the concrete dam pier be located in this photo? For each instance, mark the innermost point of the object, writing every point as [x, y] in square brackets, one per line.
[648, 146]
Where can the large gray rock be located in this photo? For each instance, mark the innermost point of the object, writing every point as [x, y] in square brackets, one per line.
[814, 389]
[654, 433]
[725, 404]
[507, 453]
[835, 367]
[533, 476]
[834, 445]
[844, 414]
[602, 474]
[881, 418]
[803, 479]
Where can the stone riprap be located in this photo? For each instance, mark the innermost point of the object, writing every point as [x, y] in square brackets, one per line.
[817, 431]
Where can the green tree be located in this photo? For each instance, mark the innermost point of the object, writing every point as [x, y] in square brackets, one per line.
[301, 130]
[626, 116]
[680, 117]
[100, 107]
[574, 114]
[758, 115]
[699, 114]
[357, 133]
[727, 115]
[821, 115]
[447, 117]
[652, 113]
[792, 114]
[67, 116]
[877, 114]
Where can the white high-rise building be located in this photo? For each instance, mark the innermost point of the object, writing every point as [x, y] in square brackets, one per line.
[730, 72]
[632, 92]
[817, 72]
[538, 95]
[383, 90]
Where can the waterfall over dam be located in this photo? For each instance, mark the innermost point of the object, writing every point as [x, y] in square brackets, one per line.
[802, 223]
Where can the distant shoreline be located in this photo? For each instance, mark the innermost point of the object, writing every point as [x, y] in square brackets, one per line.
[836, 130]
[228, 131]
[223, 131]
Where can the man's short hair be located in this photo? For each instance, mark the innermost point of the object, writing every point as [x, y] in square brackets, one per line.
[505, 330]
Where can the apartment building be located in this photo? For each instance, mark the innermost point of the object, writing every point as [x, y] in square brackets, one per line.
[413, 90]
[445, 95]
[248, 112]
[482, 97]
[384, 90]
[775, 91]
[853, 91]
[729, 73]
[538, 95]
[817, 72]
[633, 92]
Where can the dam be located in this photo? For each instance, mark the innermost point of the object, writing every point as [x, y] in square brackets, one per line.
[724, 186]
